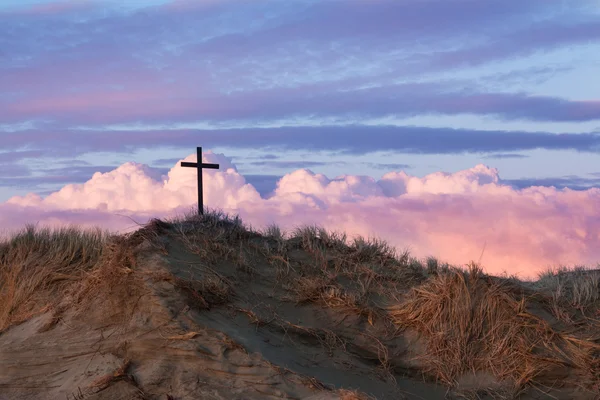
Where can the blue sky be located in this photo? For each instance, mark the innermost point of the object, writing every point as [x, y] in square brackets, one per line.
[354, 87]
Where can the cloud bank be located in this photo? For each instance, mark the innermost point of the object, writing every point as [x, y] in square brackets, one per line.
[351, 139]
[264, 60]
[452, 216]
[449, 77]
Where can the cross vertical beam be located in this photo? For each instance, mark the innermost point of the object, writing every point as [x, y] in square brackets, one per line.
[199, 166]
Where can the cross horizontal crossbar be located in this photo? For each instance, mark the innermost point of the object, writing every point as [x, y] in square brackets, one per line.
[202, 165]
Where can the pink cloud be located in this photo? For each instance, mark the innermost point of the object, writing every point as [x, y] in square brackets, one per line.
[455, 217]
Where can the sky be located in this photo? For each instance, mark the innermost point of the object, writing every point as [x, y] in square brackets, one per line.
[461, 129]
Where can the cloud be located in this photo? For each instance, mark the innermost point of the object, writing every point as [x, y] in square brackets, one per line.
[351, 139]
[499, 156]
[541, 36]
[452, 216]
[13, 172]
[137, 187]
[15, 156]
[14, 175]
[289, 164]
[142, 99]
[264, 157]
[388, 166]
[165, 161]
[570, 181]
[172, 65]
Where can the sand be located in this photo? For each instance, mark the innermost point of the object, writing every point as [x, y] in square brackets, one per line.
[178, 324]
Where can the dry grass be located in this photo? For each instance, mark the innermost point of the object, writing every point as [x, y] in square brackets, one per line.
[372, 250]
[105, 381]
[352, 395]
[572, 290]
[215, 236]
[315, 238]
[273, 231]
[36, 265]
[323, 291]
[352, 277]
[113, 288]
[472, 323]
[275, 242]
[220, 226]
[207, 292]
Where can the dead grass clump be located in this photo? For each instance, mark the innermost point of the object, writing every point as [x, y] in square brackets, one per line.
[372, 250]
[434, 267]
[120, 374]
[151, 233]
[282, 265]
[215, 224]
[36, 265]
[113, 289]
[273, 231]
[326, 338]
[317, 289]
[353, 395]
[207, 292]
[314, 238]
[472, 324]
[380, 274]
[216, 236]
[275, 241]
[571, 290]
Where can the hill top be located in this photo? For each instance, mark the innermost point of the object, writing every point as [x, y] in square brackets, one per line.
[205, 307]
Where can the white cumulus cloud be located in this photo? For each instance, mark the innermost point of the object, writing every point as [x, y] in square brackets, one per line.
[451, 216]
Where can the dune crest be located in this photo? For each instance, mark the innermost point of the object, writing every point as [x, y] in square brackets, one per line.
[205, 307]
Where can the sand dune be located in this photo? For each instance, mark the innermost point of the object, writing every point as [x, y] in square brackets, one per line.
[205, 308]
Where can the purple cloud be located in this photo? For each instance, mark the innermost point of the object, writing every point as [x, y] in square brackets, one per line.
[170, 64]
[354, 139]
[389, 166]
[13, 172]
[15, 156]
[166, 161]
[571, 181]
[22, 176]
[289, 164]
[264, 157]
[171, 104]
[499, 156]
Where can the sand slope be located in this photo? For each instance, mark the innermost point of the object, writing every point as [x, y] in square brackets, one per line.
[171, 315]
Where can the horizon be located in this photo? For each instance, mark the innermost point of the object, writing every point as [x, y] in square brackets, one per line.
[442, 126]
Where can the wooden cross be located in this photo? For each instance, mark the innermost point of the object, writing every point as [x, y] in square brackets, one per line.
[199, 165]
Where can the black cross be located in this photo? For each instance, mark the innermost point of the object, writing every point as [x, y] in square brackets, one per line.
[199, 165]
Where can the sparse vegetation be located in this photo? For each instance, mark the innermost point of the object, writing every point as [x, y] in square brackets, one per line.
[372, 250]
[37, 264]
[273, 231]
[574, 292]
[220, 226]
[355, 300]
[472, 323]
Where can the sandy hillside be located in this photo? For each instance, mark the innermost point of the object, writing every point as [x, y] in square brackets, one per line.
[205, 308]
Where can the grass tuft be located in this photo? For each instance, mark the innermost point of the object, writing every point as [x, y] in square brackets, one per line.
[572, 290]
[36, 265]
[473, 323]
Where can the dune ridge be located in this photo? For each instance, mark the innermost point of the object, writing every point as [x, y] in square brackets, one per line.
[207, 307]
